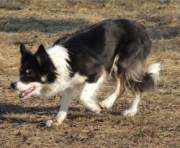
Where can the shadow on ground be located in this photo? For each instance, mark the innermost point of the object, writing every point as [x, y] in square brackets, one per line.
[12, 24]
[157, 32]
[6, 109]
[161, 28]
[16, 109]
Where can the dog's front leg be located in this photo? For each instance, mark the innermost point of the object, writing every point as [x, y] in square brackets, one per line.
[67, 97]
[89, 94]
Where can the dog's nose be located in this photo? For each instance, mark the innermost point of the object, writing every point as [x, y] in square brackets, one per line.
[13, 85]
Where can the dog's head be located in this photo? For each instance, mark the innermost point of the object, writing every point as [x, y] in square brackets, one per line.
[36, 72]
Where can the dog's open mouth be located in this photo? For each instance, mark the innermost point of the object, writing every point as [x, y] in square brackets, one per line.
[26, 92]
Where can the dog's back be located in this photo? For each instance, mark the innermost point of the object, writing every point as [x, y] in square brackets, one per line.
[117, 46]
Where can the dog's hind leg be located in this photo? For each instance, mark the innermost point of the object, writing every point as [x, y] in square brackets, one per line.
[67, 97]
[134, 105]
[108, 103]
[89, 94]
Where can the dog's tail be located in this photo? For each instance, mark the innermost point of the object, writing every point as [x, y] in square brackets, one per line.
[139, 82]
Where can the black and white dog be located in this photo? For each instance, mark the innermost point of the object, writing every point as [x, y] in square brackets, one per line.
[115, 48]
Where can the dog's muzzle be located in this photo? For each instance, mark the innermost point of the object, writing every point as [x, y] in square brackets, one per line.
[13, 85]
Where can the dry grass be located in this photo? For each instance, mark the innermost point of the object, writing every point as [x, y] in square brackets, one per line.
[22, 123]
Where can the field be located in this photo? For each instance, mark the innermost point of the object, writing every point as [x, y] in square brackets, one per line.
[35, 22]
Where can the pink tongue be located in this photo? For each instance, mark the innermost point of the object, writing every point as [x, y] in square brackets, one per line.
[25, 92]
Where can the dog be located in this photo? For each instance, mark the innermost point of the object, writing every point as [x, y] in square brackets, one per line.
[114, 48]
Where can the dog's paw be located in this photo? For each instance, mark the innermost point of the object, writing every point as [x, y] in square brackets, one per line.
[107, 104]
[129, 112]
[60, 117]
[96, 109]
[57, 123]
[50, 123]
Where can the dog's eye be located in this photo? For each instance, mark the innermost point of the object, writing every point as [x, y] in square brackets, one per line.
[29, 73]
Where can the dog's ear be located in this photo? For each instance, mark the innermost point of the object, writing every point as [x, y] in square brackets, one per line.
[44, 61]
[41, 55]
[23, 49]
[25, 53]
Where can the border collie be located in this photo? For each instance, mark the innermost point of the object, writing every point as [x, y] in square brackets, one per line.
[115, 48]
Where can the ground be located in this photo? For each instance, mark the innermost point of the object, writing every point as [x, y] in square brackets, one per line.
[35, 22]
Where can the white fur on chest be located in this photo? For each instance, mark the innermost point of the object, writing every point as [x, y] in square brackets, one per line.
[59, 56]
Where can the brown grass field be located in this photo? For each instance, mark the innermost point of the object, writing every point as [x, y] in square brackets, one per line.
[35, 22]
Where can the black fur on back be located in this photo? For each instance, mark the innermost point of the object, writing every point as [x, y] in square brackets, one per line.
[94, 49]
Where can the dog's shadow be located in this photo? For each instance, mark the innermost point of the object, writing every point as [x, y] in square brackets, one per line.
[7, 109]
[7, 112]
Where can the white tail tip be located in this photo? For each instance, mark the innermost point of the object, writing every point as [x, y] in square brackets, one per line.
[155, 69]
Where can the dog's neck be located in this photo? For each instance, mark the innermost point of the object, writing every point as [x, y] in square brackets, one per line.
[59, 56]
